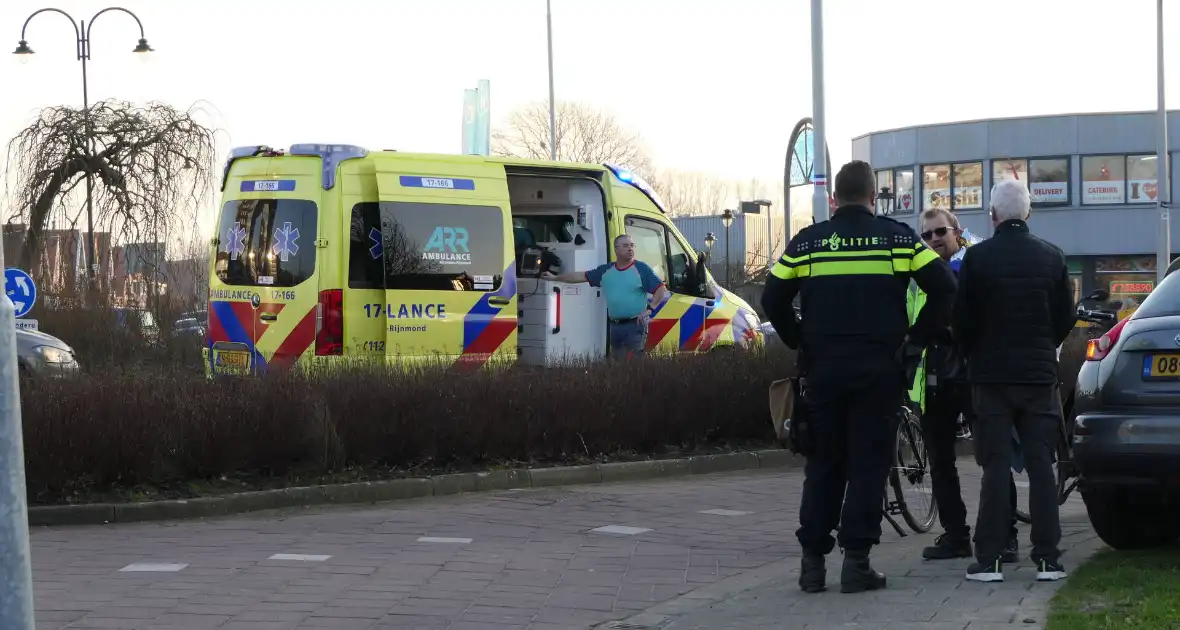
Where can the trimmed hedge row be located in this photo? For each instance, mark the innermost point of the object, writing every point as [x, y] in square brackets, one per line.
[158, 433]
[169, 433]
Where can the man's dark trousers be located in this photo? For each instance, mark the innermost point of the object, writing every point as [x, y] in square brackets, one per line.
[940, 431]
[854, 429]
[1035, 411]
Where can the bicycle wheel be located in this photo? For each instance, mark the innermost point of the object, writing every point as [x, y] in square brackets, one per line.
[910, 476]
[1022, 512]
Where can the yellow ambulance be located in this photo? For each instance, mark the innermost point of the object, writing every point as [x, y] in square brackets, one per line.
[326, 253]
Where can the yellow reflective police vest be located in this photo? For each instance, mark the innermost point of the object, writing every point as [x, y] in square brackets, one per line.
[915, 299]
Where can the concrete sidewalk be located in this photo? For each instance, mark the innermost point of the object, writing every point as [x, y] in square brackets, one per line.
[921, 594]
[704, 551]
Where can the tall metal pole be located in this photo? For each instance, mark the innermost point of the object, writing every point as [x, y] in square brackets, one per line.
[769, 239]
[727, 283]
[552, 103]
[91, 261]
[1163, 252]
[16, 573]
[819, 174]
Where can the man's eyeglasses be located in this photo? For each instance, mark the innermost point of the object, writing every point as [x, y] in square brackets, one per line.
[928, 234]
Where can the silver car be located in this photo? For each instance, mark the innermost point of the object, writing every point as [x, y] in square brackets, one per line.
[41, 355]
[1126, 434]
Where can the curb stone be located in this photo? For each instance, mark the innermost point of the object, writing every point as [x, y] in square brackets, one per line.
[414, 488]
[396, 489]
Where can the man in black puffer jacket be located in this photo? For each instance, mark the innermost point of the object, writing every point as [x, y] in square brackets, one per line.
[948, 396]
[1013, 308]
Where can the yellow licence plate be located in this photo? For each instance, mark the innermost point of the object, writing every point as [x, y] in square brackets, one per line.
[231, 361]
[1161, 366]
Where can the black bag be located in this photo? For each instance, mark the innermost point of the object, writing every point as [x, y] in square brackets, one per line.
[789, 415]
[800, 421]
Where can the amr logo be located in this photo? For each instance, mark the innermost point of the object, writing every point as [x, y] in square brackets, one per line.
[448, 239]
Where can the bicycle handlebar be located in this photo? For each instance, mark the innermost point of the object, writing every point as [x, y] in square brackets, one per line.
[1097, 316]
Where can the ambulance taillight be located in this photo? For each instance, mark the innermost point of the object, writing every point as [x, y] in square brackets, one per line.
[329, 336]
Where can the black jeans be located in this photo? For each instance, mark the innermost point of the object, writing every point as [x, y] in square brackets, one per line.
[1035, 412]
[940, 431]
[854, 429]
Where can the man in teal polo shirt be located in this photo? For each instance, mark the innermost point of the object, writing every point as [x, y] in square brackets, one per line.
[626, 284]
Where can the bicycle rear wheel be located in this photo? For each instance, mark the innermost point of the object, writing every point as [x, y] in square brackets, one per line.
[1022, 512]
[910, 476]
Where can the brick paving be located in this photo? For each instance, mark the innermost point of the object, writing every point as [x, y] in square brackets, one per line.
[511, 560]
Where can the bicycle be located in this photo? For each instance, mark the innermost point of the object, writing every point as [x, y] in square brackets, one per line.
[908, 445]
[910, 465]
[1064, 469]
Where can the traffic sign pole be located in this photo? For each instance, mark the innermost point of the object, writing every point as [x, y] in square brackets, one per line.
[16, 574]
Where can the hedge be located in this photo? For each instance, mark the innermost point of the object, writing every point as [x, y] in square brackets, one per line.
[169, 432]
[158, 432]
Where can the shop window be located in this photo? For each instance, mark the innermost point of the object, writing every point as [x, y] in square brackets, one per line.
[1142, 184]
[1104, 179]
[936, 186]
[885, 180]
[1009, 169]
[1129, 279]
[968, 186]
[1049, 181]
[903, 182]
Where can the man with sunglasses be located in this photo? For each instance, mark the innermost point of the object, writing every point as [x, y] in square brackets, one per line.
[949, 395]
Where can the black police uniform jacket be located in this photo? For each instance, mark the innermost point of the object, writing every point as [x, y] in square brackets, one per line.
[852, 274]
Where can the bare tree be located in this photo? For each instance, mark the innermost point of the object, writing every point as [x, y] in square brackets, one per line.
[584, 134]
[150, 166]
[688, 193]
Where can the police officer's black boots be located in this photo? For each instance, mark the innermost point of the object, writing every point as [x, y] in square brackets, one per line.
[813, 575]
[857, 574]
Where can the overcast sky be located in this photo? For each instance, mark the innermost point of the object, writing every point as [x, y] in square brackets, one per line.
[711, 86]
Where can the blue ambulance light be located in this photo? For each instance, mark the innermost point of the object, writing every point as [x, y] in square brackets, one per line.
[238, 153]
[332, 155]
[628, 177]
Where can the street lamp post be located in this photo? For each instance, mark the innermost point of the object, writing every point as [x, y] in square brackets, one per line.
[552, 105]
[1163, 251]
[819, 173]
[710, 241]
[727, 220]
[82, 43]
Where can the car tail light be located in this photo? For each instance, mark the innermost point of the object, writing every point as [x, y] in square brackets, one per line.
[329, 334]
[1097, 349]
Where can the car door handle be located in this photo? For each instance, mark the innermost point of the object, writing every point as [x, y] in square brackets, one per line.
[499, 301]
[268, 317]
[709, 303]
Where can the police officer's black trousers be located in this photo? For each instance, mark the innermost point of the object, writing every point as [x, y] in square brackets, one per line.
[854, 429]
[940, 430]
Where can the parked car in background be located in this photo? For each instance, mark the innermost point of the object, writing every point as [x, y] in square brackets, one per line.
[1126, 442]
[41, 355]
[188, 327]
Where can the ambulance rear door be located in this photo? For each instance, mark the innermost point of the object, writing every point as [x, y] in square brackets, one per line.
[450, 270]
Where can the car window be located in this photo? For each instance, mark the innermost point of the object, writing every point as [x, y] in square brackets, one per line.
[680, 263]
[650, 244]
[366, 270]
[266, 242]
[1163, 301]
[442, 247]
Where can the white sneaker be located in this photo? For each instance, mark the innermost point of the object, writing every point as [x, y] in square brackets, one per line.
[991, 572]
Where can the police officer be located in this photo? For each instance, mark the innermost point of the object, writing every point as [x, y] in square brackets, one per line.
[852, 273]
